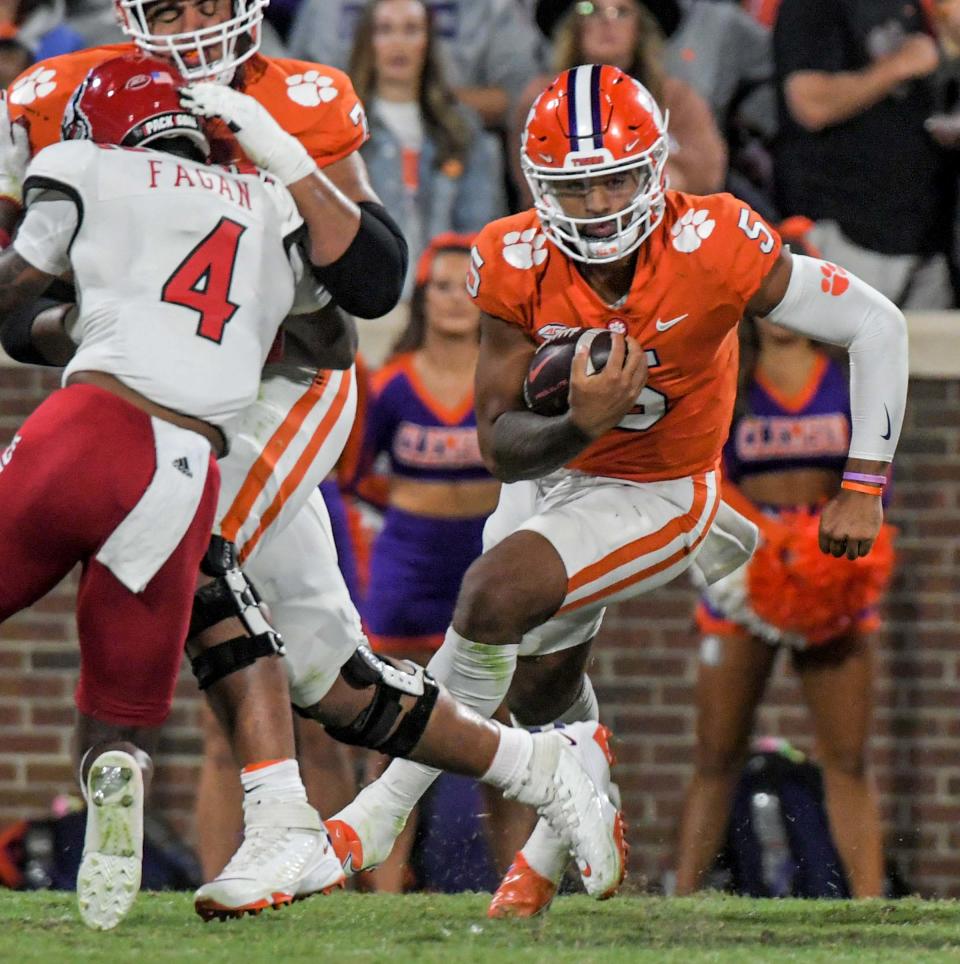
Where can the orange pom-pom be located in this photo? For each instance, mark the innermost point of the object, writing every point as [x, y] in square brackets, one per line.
[798, 589]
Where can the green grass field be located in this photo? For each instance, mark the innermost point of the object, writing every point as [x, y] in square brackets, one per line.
[425, 928]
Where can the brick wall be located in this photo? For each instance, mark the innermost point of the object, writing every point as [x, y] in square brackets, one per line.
[645, 672]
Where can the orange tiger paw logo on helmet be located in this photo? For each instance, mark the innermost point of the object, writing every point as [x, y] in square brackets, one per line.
[835, 280]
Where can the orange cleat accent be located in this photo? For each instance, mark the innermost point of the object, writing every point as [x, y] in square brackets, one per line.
[210, 910]
[522, 892]
[619, 833]
[346, 845]
[602, 737]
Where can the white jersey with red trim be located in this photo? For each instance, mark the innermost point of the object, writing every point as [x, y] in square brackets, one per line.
[181, 302]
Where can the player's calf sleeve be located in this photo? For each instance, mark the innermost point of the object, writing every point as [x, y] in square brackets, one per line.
[475, 674]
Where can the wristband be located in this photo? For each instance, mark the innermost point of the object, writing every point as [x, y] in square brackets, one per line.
[860, 487]
[866, 478]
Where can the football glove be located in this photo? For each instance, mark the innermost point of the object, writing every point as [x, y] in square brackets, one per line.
[263, 140]
[14, 154]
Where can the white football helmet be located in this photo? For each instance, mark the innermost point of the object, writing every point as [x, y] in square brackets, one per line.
[207, 54]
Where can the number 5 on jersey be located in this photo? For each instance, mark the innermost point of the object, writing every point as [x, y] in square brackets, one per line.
[756, 230]
[201, 282]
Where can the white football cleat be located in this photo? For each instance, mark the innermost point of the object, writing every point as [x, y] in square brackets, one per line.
[285, 855]
[109, 878]
[577, 805]
[363, 839]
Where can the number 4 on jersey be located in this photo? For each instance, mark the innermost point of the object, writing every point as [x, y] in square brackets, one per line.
[202, 280]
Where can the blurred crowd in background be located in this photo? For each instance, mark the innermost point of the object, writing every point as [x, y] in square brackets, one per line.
[838, 120]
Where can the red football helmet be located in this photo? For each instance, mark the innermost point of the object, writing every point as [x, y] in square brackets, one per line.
[131, 101]
[594, 122]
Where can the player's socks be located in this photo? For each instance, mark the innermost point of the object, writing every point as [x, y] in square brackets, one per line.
[285, 854]
[513, 756]
[584, 707]
[545, 853]
[270, 780]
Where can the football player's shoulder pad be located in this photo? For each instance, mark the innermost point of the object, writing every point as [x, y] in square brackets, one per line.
[65, 165]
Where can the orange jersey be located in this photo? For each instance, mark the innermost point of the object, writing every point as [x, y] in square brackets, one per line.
[316, 104]
[694, 276]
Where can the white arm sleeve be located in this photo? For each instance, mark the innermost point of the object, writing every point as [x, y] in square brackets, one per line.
[46, 232]
[874, 332]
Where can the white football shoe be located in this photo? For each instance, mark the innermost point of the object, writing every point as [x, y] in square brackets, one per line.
[363, 836]
[285, 856]
[109, 878]
[567, 780]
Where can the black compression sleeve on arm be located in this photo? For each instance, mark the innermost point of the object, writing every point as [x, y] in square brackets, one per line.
[367, 280]
[16, 332]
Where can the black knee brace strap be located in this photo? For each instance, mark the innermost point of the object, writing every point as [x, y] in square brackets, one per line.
[230, 594]
[211, 665]
[372, 728]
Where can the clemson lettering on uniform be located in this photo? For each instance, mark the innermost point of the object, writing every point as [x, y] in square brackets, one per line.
[436, 447]
[311, 89]
[39, 83]
[169, 173]
[762, 438]
[548, 332]
[693, 228]
[524, 249]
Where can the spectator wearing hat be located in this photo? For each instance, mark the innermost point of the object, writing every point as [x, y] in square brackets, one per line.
[717, 48]
[625, 34]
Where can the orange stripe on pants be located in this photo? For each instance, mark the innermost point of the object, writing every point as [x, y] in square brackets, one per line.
[644, 546]
[262, 470]
[302, 465]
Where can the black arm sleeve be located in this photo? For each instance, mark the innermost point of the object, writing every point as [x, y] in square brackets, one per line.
[367, 280]
[16, 332]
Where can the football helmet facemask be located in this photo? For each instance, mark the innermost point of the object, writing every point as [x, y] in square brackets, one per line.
[210, 53]
[596, 124]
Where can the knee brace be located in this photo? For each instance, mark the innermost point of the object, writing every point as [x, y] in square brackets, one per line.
[375, 727]
[230, 594]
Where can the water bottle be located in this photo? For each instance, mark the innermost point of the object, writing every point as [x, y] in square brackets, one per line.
[776, 861]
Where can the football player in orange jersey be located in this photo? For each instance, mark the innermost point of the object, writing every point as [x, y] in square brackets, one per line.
[621, 494]
[286, 441]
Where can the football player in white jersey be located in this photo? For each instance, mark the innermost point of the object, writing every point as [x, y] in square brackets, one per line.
[120, 464]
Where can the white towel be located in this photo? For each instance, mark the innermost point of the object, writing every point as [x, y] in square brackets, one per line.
[728, 546]
[137, 549]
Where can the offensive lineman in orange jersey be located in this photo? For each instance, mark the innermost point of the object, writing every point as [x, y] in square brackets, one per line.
[621, 494]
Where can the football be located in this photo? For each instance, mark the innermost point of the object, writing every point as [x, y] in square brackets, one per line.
[547, 384]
